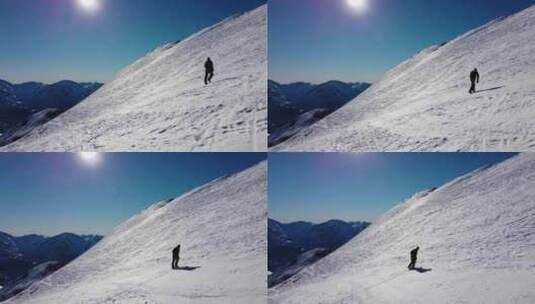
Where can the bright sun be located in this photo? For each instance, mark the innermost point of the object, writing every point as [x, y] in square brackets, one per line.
[89, 5]
[91, 158]
[358, 5]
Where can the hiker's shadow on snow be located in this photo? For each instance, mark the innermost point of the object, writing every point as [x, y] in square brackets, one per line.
[422, 270]
[188, 268]
[491, 89]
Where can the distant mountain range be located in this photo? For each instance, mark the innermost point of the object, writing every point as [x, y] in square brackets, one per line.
[295, 245]
[28, 258]
[21, 103]
[297, 105]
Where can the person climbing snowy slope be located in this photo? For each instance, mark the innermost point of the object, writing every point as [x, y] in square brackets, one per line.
[474, 78]
[176, 257]
[209, 71]
[414, 256]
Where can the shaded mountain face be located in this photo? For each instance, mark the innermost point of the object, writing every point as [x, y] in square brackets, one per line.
[300, 97]
[62, 248]
[19, 101]
[281, 111]
[12, 111]
[297, 91]
[295, 106]
[330, 95]
[293, 246]
[298, 123]
[35, 274]
[32, 121]
[62, 95]
[19, 256]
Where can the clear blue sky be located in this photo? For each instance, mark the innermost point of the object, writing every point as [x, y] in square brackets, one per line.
[50, 193]
[52, 40]
[320, 40]
[318, 187]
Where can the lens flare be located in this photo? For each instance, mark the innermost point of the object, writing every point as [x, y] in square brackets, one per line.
[90, 158]
[358, 5]
[89, 5]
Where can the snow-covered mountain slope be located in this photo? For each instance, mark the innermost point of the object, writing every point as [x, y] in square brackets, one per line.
[295, 106]
[424, 105]
[293, 246]
[298, 123]
[31, 122]
[160, 102]
[34, 275]
[27, 259]
[301, 261]
[222, 231]
[18, 102]
[477, 245]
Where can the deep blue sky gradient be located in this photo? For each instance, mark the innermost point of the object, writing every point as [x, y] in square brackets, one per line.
[52, 40]
[320, 40]
[318, 187]
[50, 193]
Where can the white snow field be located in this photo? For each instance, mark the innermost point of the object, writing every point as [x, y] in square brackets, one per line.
[423, 104]
[160, 102]
[477, 245]
[221, 228]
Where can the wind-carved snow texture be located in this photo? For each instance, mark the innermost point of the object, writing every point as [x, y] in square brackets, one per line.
[424, 105]
[160, 102]
[222, 231]
[477, 245]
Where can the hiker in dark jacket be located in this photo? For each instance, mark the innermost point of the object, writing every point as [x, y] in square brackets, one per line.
[414, 256]
[208, 71]
[474, 78]
[176, 257]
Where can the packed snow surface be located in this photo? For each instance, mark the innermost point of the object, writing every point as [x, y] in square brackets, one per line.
[222, 231]
[477, 245]
[160, 102]
[424, 105]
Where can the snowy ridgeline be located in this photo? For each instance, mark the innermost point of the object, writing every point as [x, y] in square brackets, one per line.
[477, 240]
[160, 102]
[222, 229]
[423, 104]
